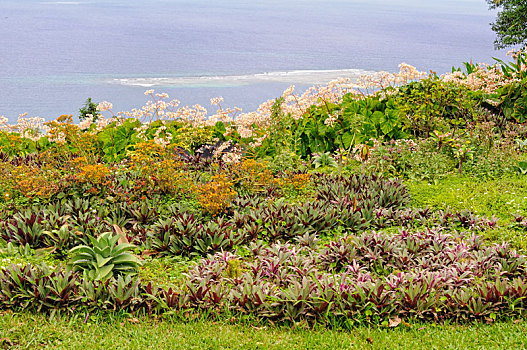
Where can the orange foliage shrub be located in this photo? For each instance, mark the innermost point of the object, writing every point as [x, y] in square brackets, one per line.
[253, 175]
[146, 153]
[93, 174]
[166, 175]
[215, 196]
[295, 183]
[32, 181]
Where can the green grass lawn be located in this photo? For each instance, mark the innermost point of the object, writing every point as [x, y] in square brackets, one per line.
[30, 331]
[499, 197]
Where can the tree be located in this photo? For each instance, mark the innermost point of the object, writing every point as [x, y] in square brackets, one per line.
[88, 108]
[511, 22]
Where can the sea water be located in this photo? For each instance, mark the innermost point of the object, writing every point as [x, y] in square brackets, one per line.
[55, 54]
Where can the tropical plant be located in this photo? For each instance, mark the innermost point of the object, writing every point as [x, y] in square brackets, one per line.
[324, 160]
[105, 258]
[117, 138]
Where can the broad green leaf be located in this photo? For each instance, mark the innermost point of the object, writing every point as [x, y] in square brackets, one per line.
[102, 261]
[125, 258]
[105, 272]
[121, 248]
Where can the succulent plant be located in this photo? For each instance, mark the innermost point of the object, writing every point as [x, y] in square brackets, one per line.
[104, 258]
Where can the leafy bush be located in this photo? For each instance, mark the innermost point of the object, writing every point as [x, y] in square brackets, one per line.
[432, 104]
[512, 100]
[115, 139]
[330, 127]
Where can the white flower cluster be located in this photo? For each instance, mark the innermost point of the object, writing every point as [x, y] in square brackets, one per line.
[141, 131]
[383, 80]
[297, 105]
[331, 120]
[103, 122]
[87, 122]
[257, 142]
[162, 137]
[104, 106]
[4, 124]
[484, 77]
[228, 152]
[31, 128]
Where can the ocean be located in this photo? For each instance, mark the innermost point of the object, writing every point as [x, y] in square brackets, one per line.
[56, 54]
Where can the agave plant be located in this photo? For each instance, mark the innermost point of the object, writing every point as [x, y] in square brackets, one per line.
[106, 257]
[324, 160]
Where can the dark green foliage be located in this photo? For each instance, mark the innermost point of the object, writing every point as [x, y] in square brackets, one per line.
[331, 127]
[512, 98]
[369, 118]
[88, 108]
[511, 22]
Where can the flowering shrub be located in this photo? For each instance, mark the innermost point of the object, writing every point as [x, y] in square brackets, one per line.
[32, 181]
[170, 179]
[93, 174]
[216, 195]
[295, 184]
[252, 176]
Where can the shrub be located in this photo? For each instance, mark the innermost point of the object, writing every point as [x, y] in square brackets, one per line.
[216, 195]
[431, 104]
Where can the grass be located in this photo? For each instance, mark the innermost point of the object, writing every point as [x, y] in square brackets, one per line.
[26, 330]
[164, 272]
[500, 197]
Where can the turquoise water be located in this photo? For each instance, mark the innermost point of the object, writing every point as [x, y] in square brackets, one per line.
[55, 54]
